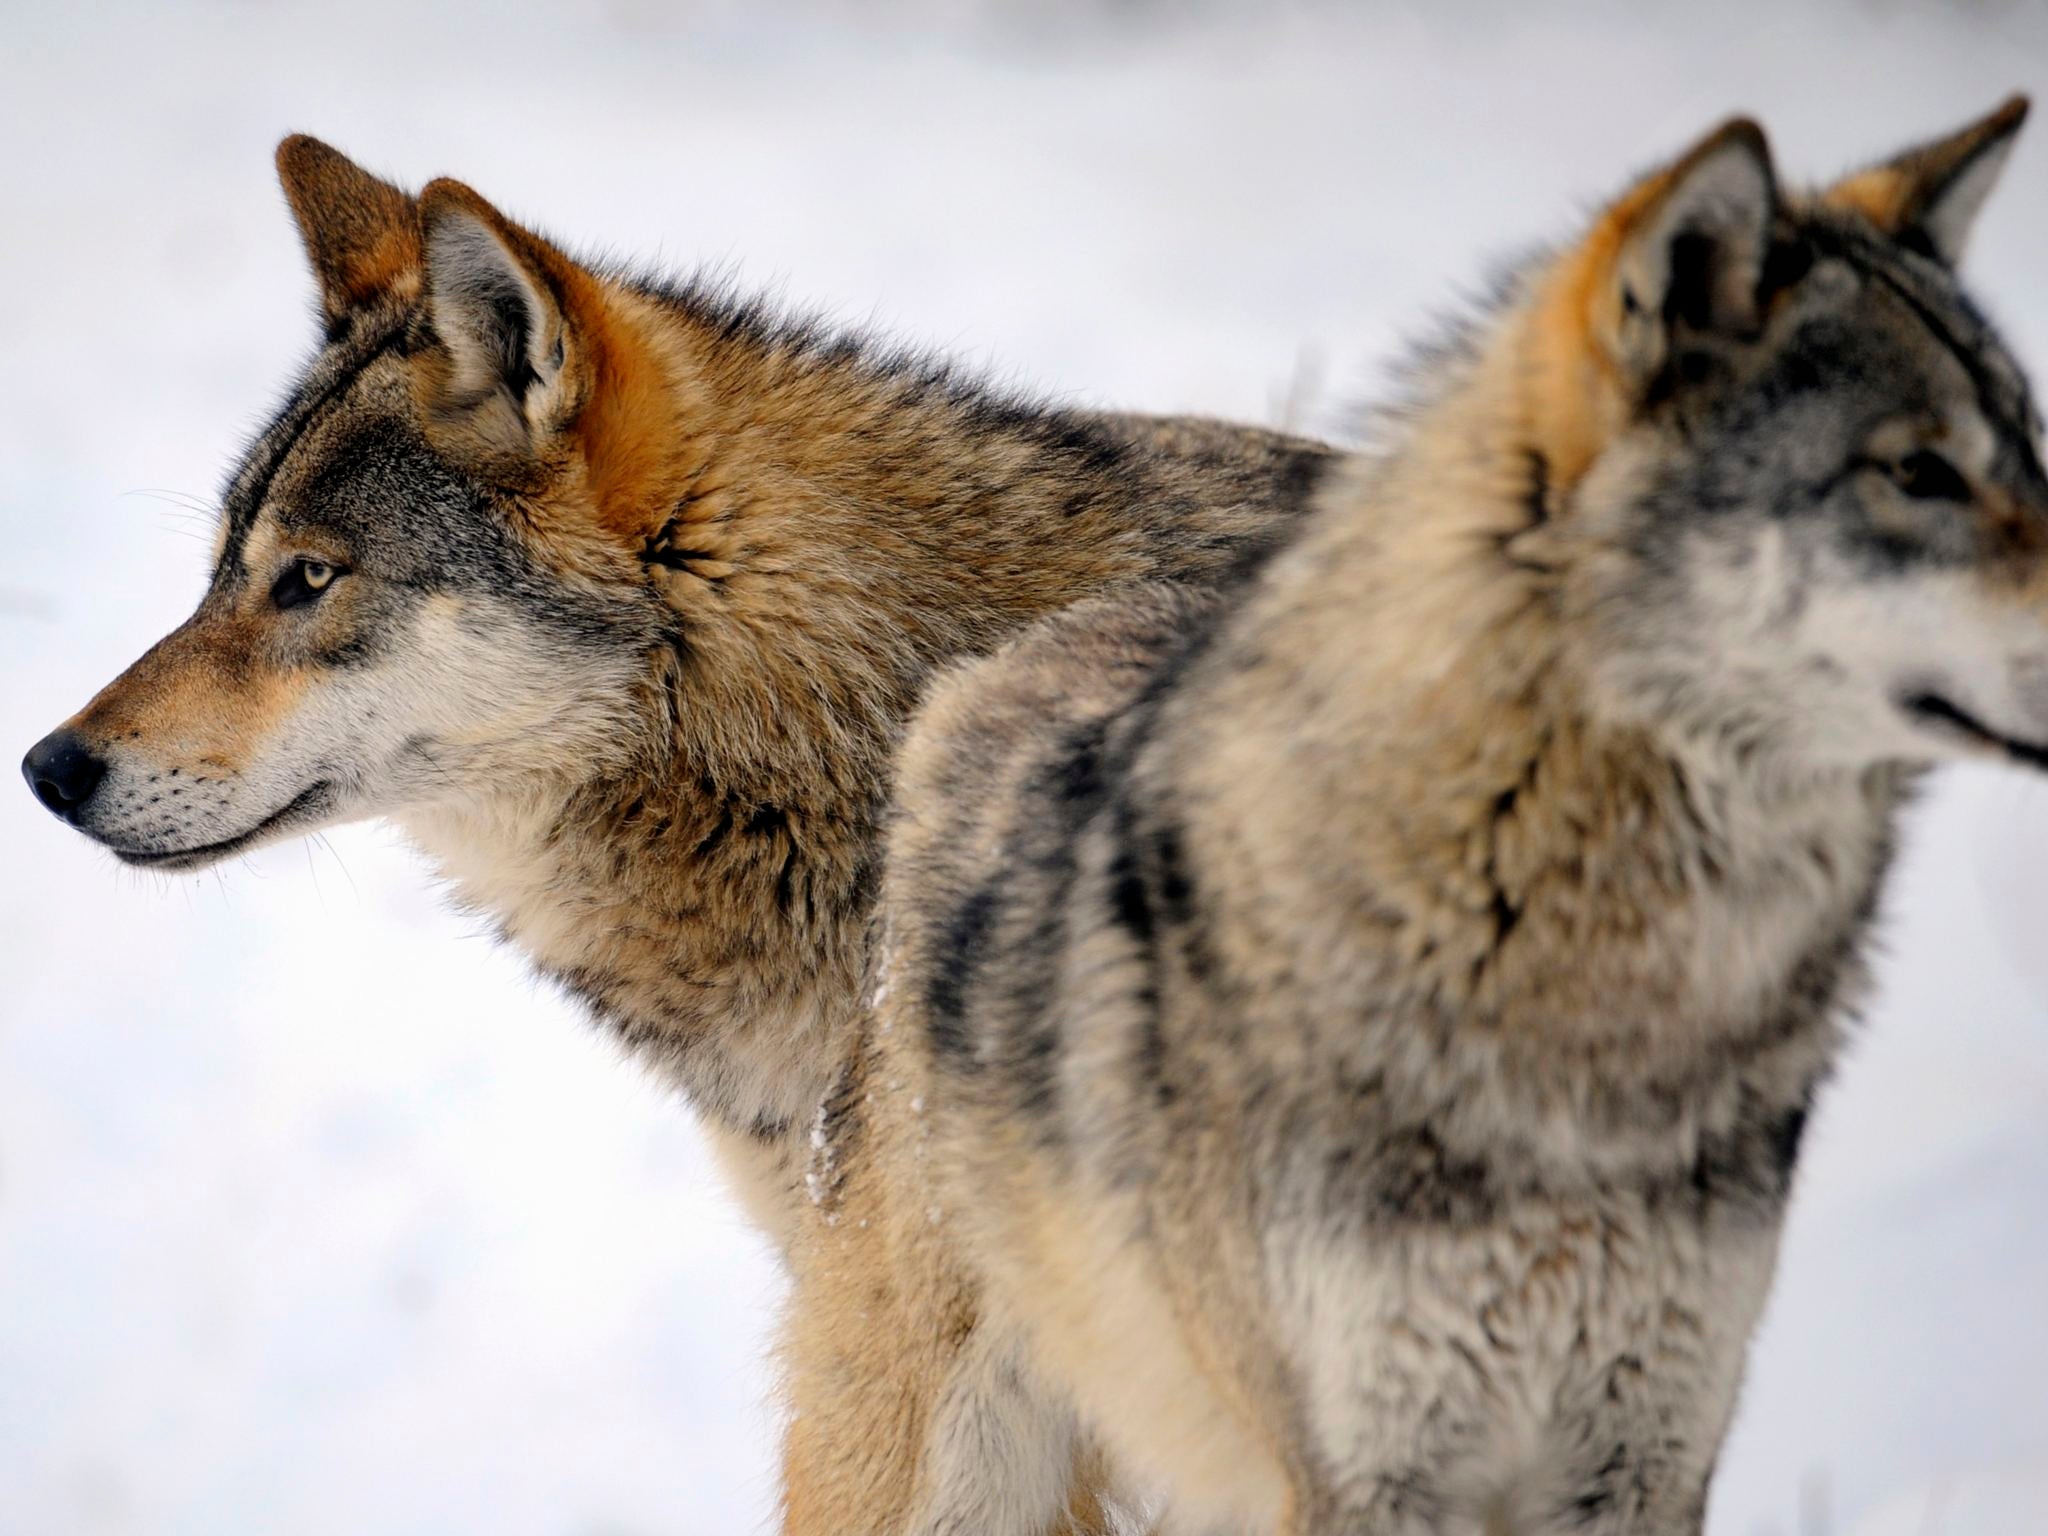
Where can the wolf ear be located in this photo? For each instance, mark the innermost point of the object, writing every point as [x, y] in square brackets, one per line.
[1683, 250]
[1688, 248]
[1928, 197]
[495, 296]
[361, 233]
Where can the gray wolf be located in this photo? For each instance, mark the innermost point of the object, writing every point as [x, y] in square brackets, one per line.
[613, 593]
[1341, 1046]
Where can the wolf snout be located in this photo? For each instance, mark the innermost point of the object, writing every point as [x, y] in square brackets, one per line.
[63, 771]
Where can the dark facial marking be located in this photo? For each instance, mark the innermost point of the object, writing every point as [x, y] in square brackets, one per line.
[1945, 311]
[294, 421]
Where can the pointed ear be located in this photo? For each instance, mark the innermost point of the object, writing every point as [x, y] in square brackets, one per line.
[361, 233]
[496, 294]
[1688, 247]
[1682, 250]
[1927, 198]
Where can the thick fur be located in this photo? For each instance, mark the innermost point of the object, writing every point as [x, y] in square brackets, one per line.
[632, 588]
[1343, 1045]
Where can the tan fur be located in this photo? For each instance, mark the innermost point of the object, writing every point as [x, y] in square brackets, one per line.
[818, 528]
[632, 672]
[201, 700]
[885, 1300]
[1436, 850]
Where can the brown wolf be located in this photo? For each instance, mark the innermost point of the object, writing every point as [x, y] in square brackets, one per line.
[1342, 1044]
[613, 593]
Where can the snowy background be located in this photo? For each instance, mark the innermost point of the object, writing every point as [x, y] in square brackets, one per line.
[316, 1215]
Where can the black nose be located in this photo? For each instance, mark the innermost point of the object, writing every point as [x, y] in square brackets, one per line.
[63, 771]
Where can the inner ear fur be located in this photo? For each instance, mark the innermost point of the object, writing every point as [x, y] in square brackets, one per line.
[1683, 249]
[1689, 250]
[546, 372]
[502, 301]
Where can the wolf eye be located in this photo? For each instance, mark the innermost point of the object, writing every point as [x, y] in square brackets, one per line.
[1926, 476]
[303, 581]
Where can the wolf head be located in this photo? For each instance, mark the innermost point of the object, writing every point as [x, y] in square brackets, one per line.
[1789, 472]
[428, 571]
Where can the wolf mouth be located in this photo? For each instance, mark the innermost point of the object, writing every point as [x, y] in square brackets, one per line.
[309, 801]
[1933, 709]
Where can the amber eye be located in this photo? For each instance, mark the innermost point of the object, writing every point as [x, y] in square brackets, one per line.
[1926, 476]
[303, 581]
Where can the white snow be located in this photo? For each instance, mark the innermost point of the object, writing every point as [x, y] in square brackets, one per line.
[316, 1216]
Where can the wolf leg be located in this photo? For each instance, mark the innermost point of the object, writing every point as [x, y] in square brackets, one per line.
[1000, 1451]
[908, 1410]
[913, 1448]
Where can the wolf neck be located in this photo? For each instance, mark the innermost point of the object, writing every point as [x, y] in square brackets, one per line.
[1514, 849]
[829, 532]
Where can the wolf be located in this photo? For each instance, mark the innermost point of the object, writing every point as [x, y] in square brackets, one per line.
[1341, 1042]
[613, 593]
